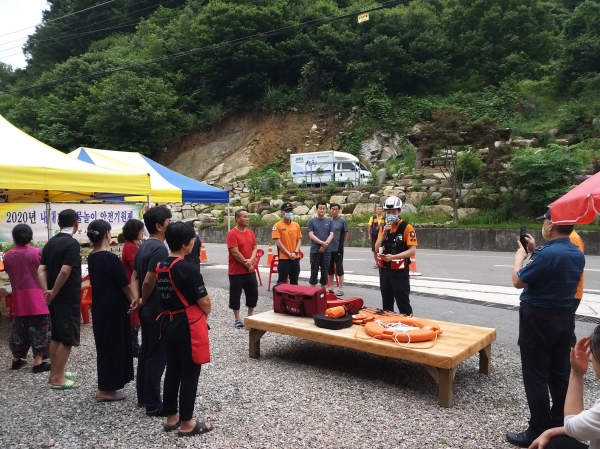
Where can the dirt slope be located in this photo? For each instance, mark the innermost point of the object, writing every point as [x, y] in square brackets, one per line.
[246, 140]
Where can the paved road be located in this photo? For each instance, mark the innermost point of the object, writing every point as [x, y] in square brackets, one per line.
[477, 267]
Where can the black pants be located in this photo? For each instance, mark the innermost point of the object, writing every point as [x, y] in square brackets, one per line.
[319, 261]
[395, 284]
[181, 378]
[545, 343]
[151, 364]
[246, 283]
[336, 263]
[289, 268]
[565, 442]
[574, 308]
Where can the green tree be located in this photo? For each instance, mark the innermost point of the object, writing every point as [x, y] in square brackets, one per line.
[131, 113]
[496, 39]
[546, 174]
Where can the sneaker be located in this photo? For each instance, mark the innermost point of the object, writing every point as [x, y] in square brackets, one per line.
[19, 364]
[44, 366]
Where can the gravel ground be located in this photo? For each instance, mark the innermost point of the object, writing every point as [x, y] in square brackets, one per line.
[299, 394]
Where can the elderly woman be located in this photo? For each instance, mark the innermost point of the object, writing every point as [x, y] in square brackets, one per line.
[184, 330]
[580, 424]
[111, 302]
[133, 231]
[31, 325]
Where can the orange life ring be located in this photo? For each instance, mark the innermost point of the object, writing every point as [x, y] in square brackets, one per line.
[382, 329]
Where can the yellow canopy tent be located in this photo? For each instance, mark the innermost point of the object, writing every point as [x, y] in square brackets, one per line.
[33, 172]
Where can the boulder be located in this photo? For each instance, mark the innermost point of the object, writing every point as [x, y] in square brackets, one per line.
[189, 213]
[408, 208]
[354, 197]
[437, 209]
[176, 216]
[467, 212]
[445, 202]
[380, 176]
[363, 209]
[309, 203]
[245, 201]
[430, 182]
[270, 218]
[339, 199]
[415, 198]
[348, 208]
[253, 207]
[186, 206]
[206, 218]
[276, 203]
[435, 196]
[301, 210]
[201, 207]
[215, 213]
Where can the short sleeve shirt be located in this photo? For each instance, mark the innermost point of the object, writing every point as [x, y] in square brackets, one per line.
[63, 249]
[188, 281]
[245, 243]
[339, 227]
[149, 255]
[376, 223]
[288, 234]
[321, 227]
[552, 274]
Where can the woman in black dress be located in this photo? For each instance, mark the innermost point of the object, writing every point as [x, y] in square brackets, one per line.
[186, 304]
[112, 302]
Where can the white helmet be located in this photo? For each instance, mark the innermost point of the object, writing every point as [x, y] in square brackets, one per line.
[393, 202]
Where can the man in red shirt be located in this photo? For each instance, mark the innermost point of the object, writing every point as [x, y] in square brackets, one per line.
[241, 244]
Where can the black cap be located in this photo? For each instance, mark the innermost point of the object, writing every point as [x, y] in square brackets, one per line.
[545, 216]
[286, 206]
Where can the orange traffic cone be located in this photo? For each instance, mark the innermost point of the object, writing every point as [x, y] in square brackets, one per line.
[269, 257]
[413, 267]
[203, 256]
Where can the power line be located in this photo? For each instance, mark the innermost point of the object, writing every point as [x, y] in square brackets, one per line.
[61, 17]
[66, 33]
[219, 46]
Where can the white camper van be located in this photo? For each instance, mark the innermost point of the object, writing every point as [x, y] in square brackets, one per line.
[338, 167]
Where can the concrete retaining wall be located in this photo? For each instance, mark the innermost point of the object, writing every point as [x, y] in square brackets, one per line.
[430, 238]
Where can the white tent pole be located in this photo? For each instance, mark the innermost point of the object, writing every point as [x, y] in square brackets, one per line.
[228, 218]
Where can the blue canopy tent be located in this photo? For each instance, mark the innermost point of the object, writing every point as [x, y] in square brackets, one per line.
[166, 186]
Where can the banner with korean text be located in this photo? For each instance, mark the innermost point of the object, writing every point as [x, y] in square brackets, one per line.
[34, 215]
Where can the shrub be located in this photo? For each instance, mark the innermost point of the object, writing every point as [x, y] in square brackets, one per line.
[546, 174]
[468, 165]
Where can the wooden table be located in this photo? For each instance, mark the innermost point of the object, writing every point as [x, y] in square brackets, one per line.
[456, 344]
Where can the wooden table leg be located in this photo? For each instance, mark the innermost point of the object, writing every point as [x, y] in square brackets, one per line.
[445, 380]
[255, 335]
[485, 359]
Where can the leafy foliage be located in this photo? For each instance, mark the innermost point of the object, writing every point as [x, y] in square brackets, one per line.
[545, 174]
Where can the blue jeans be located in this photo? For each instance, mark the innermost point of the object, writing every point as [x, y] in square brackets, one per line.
[151, 364]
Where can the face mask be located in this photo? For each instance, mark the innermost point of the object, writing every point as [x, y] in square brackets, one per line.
[289, 215]
[391, 218]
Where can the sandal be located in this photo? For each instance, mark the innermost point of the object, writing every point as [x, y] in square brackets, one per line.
[68, 385]
[68, 375]
[199, 429]
[119, 396]
[330, 291]
[239, 324]
[171, 427]
[340, 293]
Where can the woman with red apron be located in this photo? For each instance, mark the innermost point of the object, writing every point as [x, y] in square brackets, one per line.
[184, 330]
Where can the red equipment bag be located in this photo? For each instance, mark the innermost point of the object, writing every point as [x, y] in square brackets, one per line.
[299, 300]
[352, 304]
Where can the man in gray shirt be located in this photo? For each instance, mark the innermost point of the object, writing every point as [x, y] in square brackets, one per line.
[321, 234]
[340, 236]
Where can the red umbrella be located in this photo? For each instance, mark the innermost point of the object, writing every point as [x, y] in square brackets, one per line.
[580, 205]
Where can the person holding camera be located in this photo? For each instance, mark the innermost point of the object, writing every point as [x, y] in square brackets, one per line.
[549, 281]
[396, 244]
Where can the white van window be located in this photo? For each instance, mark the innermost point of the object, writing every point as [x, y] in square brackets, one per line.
[348, 166]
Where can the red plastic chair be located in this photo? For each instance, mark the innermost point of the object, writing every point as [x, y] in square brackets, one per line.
[86, 299]
[259, 254]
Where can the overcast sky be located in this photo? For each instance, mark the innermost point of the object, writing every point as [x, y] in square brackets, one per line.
[19, 18]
